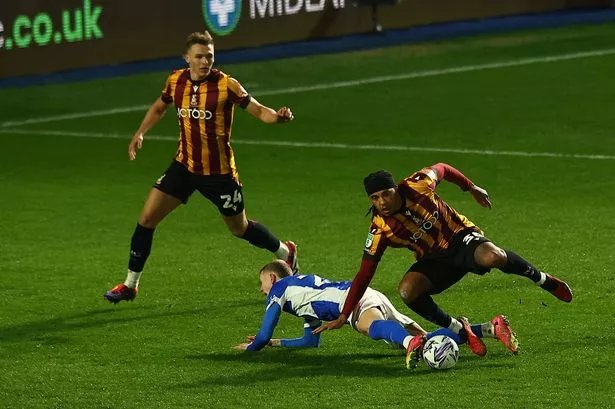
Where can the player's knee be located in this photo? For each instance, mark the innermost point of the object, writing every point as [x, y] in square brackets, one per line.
[374, 329]
[237, 231]
[407, 291]
[147, 221]
[493, 257]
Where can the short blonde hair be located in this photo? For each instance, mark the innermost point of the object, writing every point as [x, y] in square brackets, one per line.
[203, 38]
[277, 267]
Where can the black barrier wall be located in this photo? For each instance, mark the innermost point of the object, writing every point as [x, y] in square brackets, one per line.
[42, 36]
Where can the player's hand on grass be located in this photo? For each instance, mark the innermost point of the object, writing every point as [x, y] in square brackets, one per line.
[135, 144]
[273, 342]
[335, 324]
[480, 195]
[242, 347]
[285, 114]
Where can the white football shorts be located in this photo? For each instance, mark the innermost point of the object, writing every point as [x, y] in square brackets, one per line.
[375, 299]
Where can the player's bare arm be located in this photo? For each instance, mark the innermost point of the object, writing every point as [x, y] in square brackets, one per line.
[268, 115]
[152, 117]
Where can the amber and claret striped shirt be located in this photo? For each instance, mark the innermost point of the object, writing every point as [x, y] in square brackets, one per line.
[205, 116]
[425, 224]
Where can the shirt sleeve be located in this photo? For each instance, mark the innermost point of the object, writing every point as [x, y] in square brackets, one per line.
[421, 181]
[450, 174]
[270, 320]
[359, 285]
[237, 93]
[166, 96]
[308, 340]
[375, 243]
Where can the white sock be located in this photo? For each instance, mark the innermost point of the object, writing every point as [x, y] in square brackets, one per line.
[282, 252]
[488, 330]
[406, 341]
[132, 279]
[543, 278]
[455, 326]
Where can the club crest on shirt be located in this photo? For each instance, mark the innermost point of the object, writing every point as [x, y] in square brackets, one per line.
[370, 240]
[414, 218]
[193, 101]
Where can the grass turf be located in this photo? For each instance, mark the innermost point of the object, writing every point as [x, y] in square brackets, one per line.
[69, 205]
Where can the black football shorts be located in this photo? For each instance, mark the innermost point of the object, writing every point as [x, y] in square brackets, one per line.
[445, 269]
[222, 190]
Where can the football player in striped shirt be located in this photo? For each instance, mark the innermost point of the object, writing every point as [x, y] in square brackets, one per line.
[447, 245]
[204, 100]
[315, 299]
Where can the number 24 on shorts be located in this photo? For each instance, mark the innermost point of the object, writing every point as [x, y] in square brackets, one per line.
[231, 202]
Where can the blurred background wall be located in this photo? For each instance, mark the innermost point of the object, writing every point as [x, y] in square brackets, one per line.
[42, 37]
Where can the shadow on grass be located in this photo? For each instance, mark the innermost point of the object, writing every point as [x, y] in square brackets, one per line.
[271, 366]
[57, 330]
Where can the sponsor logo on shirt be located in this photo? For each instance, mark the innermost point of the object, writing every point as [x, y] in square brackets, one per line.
[194, 113]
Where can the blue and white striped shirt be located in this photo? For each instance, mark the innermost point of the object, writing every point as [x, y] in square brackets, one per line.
[310, 297]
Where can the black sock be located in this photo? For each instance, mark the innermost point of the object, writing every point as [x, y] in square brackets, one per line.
[517, 265]
[428, 309]
[140, 247]
[259, 236]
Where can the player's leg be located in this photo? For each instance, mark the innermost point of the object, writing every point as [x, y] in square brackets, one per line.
[417, 285]
[498, 328]
[372, 318]
[373, 323]
[157, 206]
[258, 235]
[227, 194]
[428, 277]
[489, 255]
[169, 191]
[413, 345]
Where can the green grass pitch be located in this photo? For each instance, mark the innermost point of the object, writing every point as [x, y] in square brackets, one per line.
[70, 199]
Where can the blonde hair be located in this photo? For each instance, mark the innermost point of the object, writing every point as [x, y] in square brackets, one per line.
[203, 38]
[277, 267]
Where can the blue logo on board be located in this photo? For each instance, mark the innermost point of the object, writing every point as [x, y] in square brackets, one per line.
[222, 16]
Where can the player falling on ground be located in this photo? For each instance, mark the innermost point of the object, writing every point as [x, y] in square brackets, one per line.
[316, 299]
[204, 99]
[447, 245]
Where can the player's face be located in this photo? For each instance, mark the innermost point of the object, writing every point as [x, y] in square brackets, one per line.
[200, 58]
[267, 281]
[386, 201]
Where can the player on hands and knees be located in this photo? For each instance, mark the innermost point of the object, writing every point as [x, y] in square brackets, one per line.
[316, 299]
[204, 99]
[447, 245]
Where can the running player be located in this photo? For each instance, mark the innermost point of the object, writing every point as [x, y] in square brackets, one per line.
[316, 299]
[204, 99]
[447, 245]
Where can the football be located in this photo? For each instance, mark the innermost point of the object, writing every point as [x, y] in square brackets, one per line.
[440, 352]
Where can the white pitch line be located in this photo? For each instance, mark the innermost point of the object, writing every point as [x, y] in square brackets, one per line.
[77, 115]
[325, 145]
[340, 84]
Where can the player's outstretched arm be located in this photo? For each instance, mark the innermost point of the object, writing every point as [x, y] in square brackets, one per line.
[450, 174]
[308, 340]
[263, 337]
[268, 115]
[152, 117]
